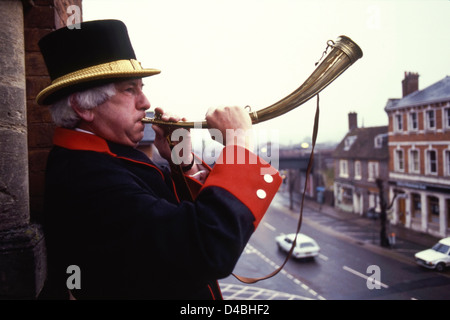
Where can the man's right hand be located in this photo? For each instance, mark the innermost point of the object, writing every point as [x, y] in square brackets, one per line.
[234, 123]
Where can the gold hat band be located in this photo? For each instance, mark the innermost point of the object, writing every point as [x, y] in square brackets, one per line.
[113, 69]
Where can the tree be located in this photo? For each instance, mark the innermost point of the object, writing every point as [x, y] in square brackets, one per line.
[384, 240]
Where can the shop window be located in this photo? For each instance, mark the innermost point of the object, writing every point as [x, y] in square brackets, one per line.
[448, 213]
[416, 206]
[433, 209]
[347, 195]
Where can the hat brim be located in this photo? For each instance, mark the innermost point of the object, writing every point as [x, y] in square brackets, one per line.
[92, 76]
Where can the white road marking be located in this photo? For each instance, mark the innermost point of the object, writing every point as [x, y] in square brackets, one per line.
[251, 249]
[324, 258]
[269, 226]
[359, 274]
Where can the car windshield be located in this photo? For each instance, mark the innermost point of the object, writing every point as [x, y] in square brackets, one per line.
[306, 245]
[439, 247]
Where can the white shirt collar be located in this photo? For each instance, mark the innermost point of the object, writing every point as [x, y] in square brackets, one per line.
[85, 131]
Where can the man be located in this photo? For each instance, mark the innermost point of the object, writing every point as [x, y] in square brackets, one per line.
[114, 214]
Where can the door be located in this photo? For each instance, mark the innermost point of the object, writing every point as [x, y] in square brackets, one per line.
[401, 210]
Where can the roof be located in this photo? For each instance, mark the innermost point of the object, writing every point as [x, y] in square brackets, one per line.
[437, 92]
[359, 143]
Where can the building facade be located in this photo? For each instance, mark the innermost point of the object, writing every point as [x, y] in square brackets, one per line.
[359, 160]
[419, 149]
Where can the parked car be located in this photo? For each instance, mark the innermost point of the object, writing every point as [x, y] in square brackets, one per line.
[372, 214]
[438, 257]
[305, 247]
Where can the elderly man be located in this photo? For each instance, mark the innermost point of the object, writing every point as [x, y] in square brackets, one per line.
[114, 214]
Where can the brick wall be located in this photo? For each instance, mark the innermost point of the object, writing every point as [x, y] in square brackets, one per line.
[40, 18]
[419, 138]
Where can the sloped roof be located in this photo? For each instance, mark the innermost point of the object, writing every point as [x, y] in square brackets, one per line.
[363, 146]
[437, 92]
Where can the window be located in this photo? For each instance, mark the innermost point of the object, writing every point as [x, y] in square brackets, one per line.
[430, 119]
[431, 162]
[399, 160]
[440, 247]
[373, 171]
[433, 209]
[347, 196]
[416, 206]
[447, 162]
[374, 201]
[414, 161]
[398, 125]
[287, 240]
[413, 123]
[343, 168]
[447, 118]
[358, 170]
[379, 140]
[348, 142]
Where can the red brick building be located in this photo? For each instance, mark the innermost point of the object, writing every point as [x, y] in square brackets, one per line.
[419, 152]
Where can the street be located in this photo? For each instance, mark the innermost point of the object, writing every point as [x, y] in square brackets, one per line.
[351, 265]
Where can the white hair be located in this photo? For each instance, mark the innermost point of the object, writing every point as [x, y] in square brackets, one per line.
[64, 116]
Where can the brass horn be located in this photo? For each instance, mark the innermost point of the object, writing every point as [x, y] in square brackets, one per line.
[343, 54]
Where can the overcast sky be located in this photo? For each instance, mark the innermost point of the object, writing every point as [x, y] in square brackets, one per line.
[255, 52]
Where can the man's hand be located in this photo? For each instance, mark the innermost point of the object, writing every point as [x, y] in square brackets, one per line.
[234, 123]
[162, 144]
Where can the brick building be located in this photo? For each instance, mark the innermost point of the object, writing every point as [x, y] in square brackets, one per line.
[359, 159]
[419, 149]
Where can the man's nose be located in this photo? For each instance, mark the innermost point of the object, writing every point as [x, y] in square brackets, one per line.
[142, 102]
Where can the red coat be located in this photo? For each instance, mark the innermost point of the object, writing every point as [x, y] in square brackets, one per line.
[116, 215]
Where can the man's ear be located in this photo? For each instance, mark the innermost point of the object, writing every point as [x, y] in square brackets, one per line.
[85, 114]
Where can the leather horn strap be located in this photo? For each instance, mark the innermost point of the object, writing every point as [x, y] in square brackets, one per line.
[299, 224]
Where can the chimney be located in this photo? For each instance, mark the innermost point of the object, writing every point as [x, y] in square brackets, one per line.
[410, 83]
[352, 121]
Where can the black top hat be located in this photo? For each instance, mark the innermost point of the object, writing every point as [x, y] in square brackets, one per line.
[98, 52]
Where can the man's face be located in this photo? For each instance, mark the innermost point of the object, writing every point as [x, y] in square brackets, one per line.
[119, 118]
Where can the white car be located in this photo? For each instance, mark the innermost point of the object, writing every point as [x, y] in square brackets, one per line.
[438, 257]
[305, 247]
